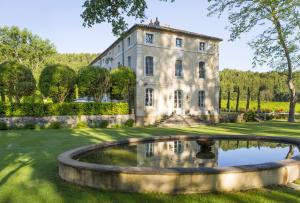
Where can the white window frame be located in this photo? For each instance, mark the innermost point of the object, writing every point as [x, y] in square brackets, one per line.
[203, 99]
[178, 38]
[205, 46]
[178, 146]
[153, 68]
[149, 149]
[204, 70]
[181, 76]
[150, 95]
[145, 40]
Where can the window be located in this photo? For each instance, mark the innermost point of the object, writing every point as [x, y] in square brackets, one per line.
[201, 101]
[201, 70]
[178, 147]
[178, 68]
[149, 66]
[119, 64]
[178, 99]
[149, 149]
[119, 48]
[149, 97]
[149, 38]
[178, 42]
[202, 46]
[128, 41]
[129, 61]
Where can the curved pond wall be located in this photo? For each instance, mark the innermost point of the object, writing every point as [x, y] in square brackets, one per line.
[179, 180]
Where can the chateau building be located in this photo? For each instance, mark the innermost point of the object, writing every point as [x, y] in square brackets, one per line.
[176, 70]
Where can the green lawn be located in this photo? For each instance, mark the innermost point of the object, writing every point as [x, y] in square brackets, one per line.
[28, 166]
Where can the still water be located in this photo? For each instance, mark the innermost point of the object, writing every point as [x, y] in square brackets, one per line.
[192, 153]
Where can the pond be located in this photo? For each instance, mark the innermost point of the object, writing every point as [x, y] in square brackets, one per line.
[192, 153]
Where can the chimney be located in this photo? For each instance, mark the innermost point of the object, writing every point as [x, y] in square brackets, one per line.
[156, 23]
[151, 23]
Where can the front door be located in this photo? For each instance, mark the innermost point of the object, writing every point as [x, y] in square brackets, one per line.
[178, 102]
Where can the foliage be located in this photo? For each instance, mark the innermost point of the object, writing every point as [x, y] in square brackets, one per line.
[3, 126]
[278, 44]
[250, 116]
[73, 60]
[275, 83]
[123, 84]
[60, 109]
[94, 82]
[24, 47]
[57, 82]
[129, 123]
[266, 106]
[30, 125]
[16, 80]
[55, 125]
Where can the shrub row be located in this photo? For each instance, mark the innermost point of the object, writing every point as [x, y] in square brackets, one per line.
[55, 109]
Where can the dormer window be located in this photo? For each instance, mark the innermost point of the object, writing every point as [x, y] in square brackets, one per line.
[178, 42]
[202, 46]
[149, 38]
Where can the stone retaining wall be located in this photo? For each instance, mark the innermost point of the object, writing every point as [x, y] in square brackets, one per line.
[70, 121]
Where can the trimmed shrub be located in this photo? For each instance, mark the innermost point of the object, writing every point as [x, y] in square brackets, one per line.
[250, 116]
[3, 126]
[129, 123]
[55, 109]
[55, 125]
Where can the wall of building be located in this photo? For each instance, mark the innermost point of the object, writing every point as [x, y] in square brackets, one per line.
[164, 82]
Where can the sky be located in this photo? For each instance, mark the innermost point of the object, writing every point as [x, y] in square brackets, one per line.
[60, 22]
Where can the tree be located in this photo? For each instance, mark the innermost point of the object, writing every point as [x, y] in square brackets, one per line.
[24, 47]
[123, 84]
[57, 82]
[238, 93]
[16, 81]
[277, 45]
[94, 82]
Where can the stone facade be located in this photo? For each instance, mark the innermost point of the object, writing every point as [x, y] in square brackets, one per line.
[172, 92]
[70, 121]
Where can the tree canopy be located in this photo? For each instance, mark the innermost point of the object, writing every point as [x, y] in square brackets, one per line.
[16, 80]
[94, 82]
[57, 82]
[114, 12]
[25, 48]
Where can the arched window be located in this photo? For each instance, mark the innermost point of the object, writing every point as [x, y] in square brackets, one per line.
[149, 97]
[201, 69]
[178, 68]
[149, 66]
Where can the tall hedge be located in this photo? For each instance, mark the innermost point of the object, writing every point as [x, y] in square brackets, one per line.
[61, 109]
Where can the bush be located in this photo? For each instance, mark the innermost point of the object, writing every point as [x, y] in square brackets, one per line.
[71, 109]
[3, 126]
[30, 125]
[129, 123]
[250, 116]
[81, 125]
[55, 125]
[99, 124]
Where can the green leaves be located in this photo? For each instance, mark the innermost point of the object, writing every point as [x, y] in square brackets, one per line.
[25, 48]
[16, 80]
[57, 82]
[113, 12]
[94, 82]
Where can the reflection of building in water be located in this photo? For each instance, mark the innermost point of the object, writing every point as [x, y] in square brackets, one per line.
[184, 154]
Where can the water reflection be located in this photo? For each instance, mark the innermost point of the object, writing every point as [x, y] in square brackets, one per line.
[193, 153]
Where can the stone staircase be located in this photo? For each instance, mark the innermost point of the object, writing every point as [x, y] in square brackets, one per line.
[180, 121]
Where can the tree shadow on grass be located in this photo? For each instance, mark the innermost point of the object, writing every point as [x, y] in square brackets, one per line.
[42, 147]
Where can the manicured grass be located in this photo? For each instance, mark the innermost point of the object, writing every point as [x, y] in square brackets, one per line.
[28, 166]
